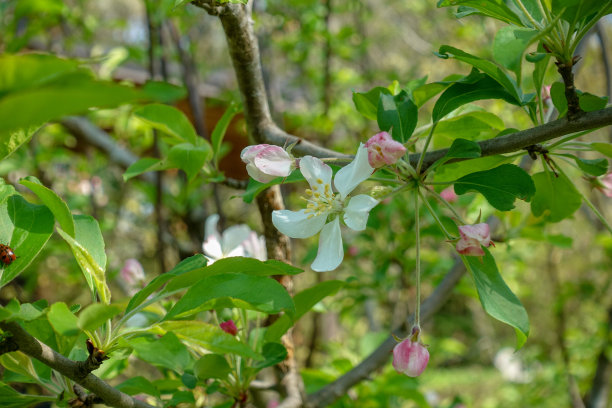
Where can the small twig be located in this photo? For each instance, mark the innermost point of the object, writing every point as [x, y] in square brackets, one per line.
[565, 70]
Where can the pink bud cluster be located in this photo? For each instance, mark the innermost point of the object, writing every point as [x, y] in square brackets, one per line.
[267, 162]
[473, 238]
[383, 150]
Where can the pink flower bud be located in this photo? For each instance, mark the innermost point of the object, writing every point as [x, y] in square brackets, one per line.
[382, 150]
[449, 194]
[132, 272]
[410, 358]
[267, 162]
[229, 327]
[472, 237]
[606, 185]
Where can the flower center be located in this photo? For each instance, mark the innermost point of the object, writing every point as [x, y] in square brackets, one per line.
[321, 200]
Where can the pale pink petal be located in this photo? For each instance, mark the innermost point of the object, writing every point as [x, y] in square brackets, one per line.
[274, 161]
[258, 175]
[357, 211]
[479, 232]
[469, 247]
[449, 194]
[248, 153]
[298, 224]
[606, 181]
[410, 358]
[382, 150]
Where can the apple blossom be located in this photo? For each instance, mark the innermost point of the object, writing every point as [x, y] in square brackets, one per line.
[449, 194]
[325, 208]
[229, 327]
[267, 162]
[382, 150]
[410, 357]
[472, 237]
[237, 240]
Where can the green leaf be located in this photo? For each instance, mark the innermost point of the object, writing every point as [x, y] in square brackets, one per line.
[603, 148]
[64, 322]
[500, 185]
[96, 314]
[211, 366]
[58, 207]
[589, 102]
[460, 94]
[88, 250]
[170, 121]
[138, 385]
[460, 149]
[25, 228]
[470, 124]
[425, 92]
[397, 114]
[489, 68]
[557, 94]
[163, 91]
[495, 296]
[594, 167]
[210, 337]
[509, 46]
[260, 293]
[9, 398]
[167, 351]
[556, 198]
[247, 266]
[367, 103]
[186, 265]
[12, 140]
[218, 133]
[492, 8]
[273, 354]
[304, 301]
[451, 171]
[189, 158]
[144, 165]
[21, 364]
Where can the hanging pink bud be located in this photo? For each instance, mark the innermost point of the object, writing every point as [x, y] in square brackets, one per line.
[410, 357]
[267, 162]
[472, 237]
[382, 150]
[606, 185]
[229, 327]
[132, 272]
[449, 194]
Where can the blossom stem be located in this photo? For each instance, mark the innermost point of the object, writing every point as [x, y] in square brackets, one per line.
[435, 216]
[427, 141]
[417, 227]
[447, 204]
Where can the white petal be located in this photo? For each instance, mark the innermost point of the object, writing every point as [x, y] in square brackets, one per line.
[248, 153]
[354, 173]
[212, 248]
[233, 237]
[315, 171]
[297, 224]
[357, 211]
[210, 227]
[330, 253]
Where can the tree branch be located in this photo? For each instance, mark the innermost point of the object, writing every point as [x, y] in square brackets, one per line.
[71, 369]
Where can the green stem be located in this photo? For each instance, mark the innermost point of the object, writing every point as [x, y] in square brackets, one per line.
[446, 204]
[417, 227]
[536, 25]
[435, 216]
[427, 141]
